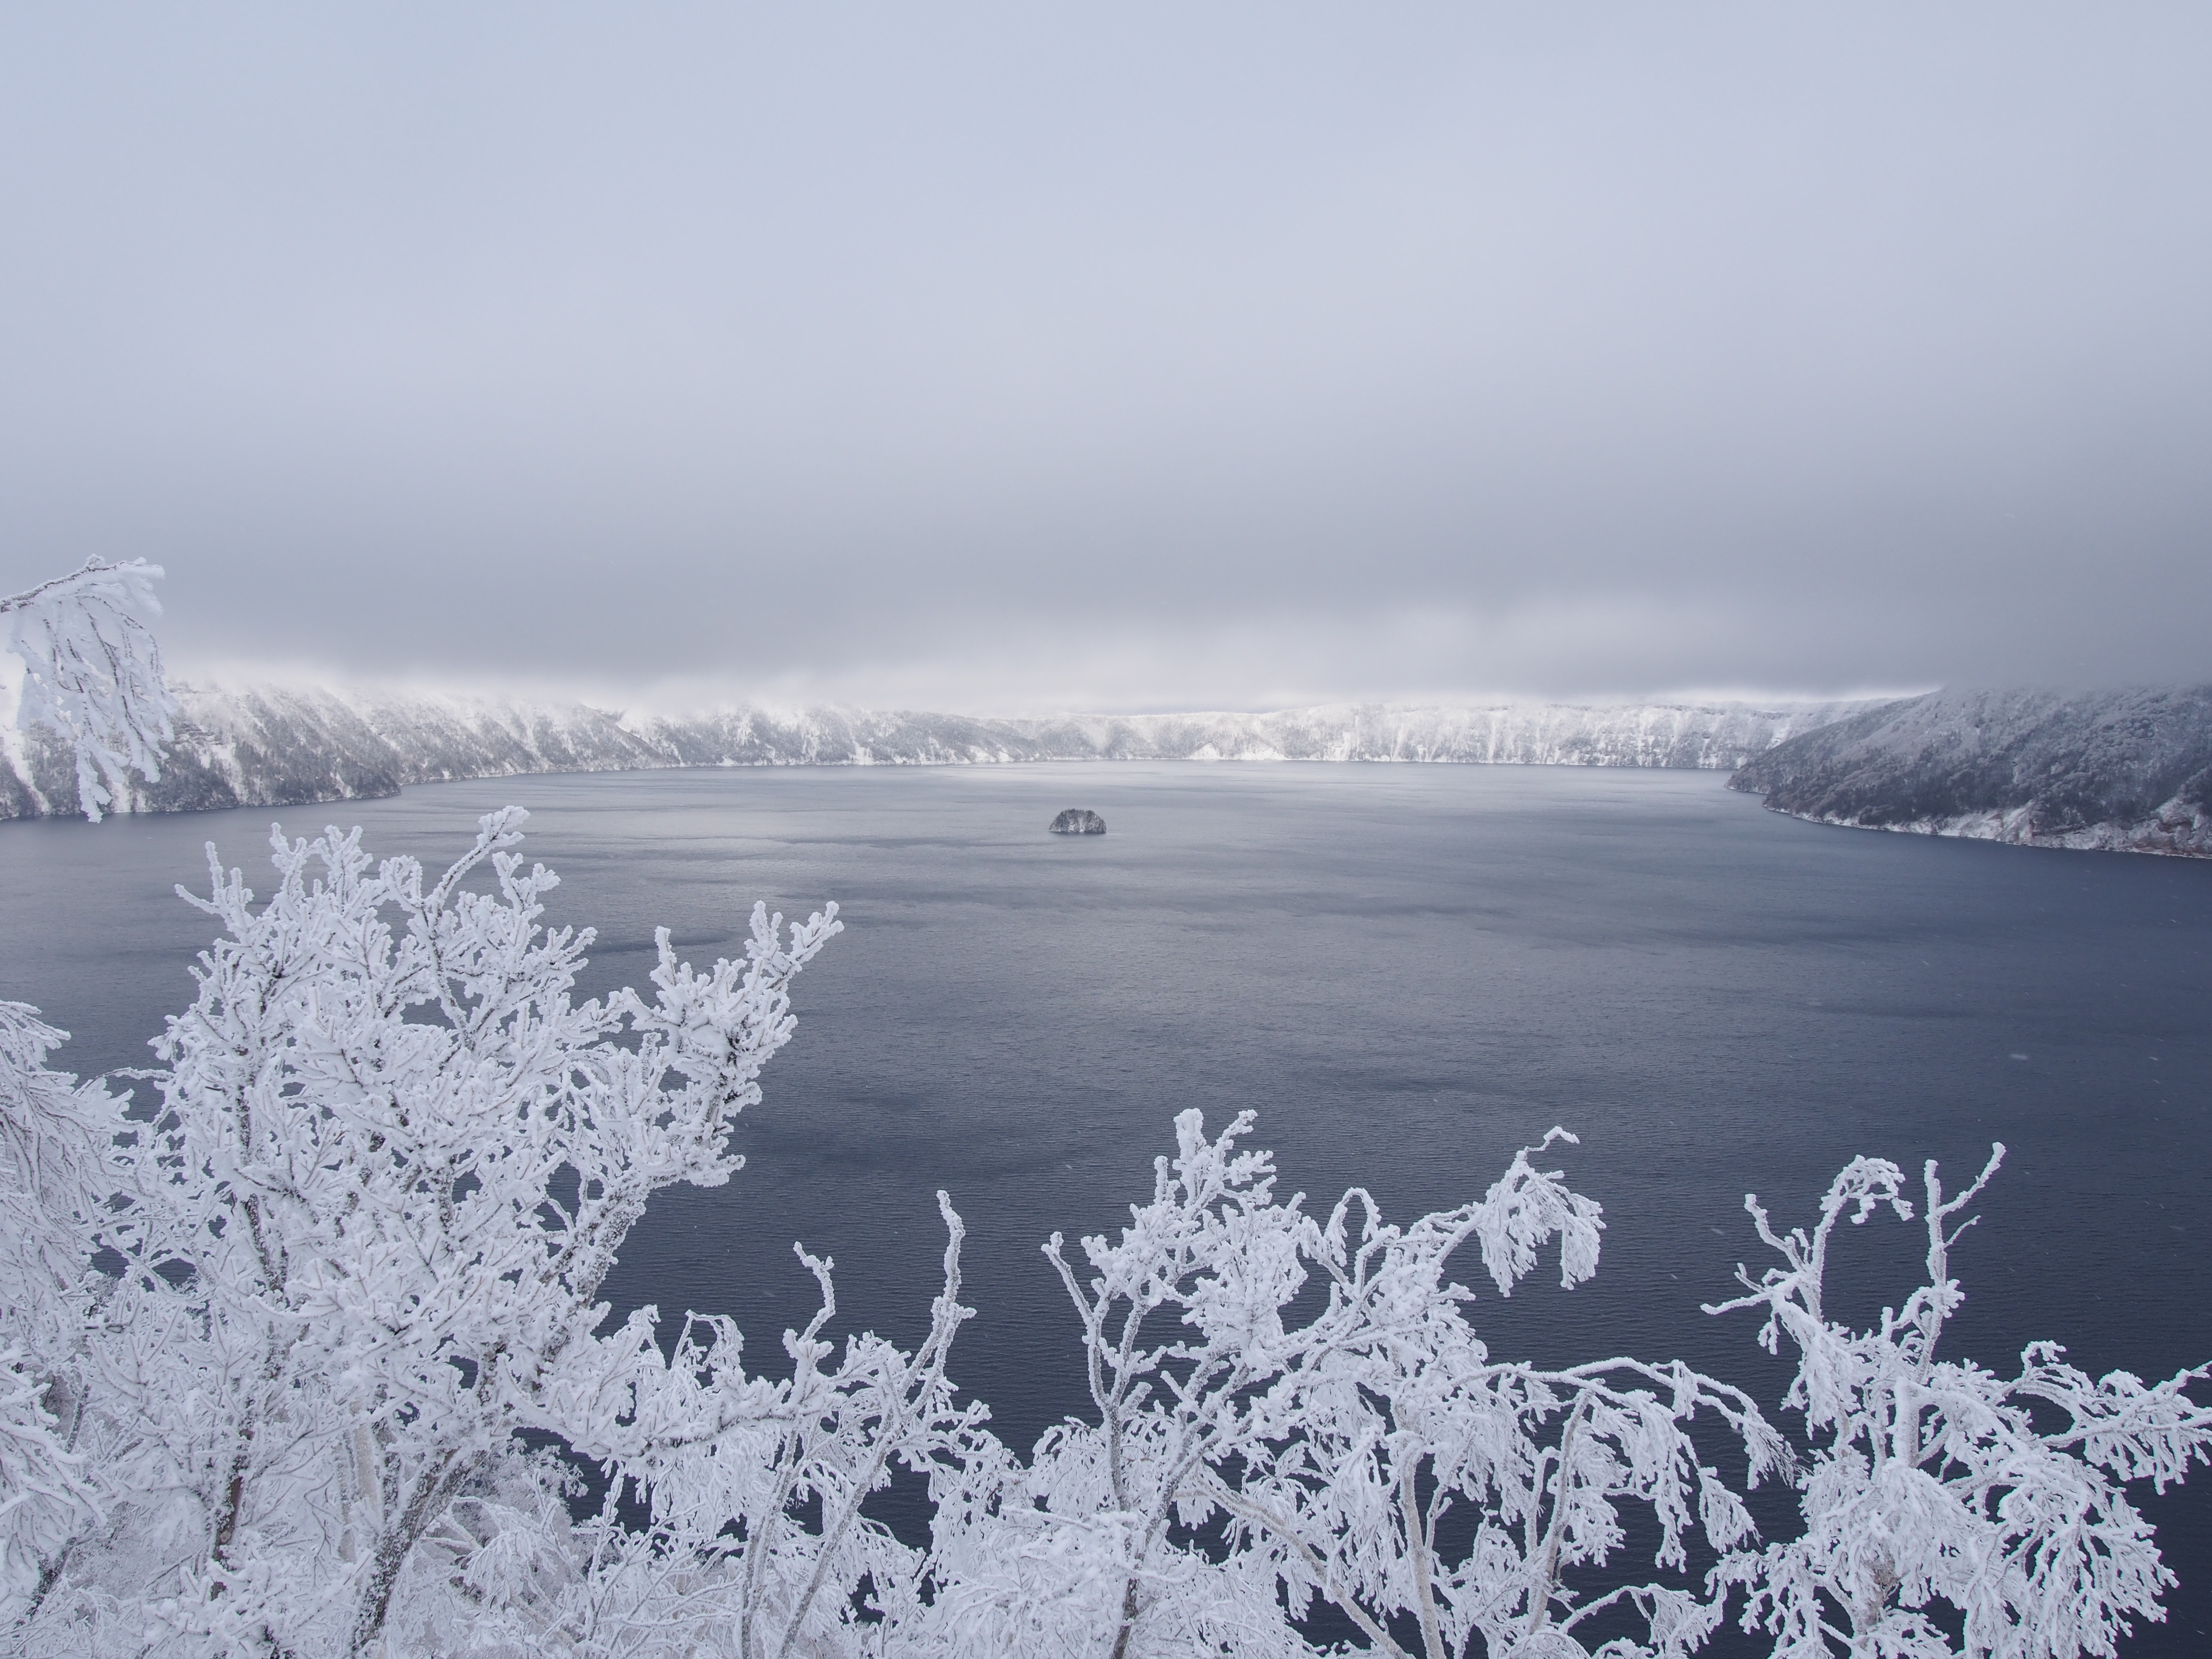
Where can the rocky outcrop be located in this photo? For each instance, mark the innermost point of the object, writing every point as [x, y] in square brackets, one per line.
[1078, 821]
[2127, 770]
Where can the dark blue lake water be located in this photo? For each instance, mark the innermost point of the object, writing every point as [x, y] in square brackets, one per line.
[1407, 972]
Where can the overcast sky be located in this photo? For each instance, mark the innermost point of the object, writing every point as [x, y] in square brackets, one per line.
[1008, 357]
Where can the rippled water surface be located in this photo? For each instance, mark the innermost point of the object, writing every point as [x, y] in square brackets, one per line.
[1407, 972]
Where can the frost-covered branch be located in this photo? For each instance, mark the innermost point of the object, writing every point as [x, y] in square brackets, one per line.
[92, 673]
[1931, 1484]
[362, 1237]
[55, 1181]
[1289, 1408]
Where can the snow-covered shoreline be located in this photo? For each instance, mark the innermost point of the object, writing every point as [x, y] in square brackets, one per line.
[2180, 834]
[2126, 770]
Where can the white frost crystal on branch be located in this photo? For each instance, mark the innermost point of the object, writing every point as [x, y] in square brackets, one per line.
[54, 1136]
[1936, 1483]
[1248, 1460]
[92, 673]
[362, 1237]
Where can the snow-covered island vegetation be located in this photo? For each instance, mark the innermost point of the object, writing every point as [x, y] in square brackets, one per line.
[301, 1353]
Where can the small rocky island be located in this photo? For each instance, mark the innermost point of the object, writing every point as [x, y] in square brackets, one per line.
[1078, 821]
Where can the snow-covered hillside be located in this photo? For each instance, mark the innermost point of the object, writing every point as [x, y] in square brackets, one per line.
[2126, 770]
[265, 745]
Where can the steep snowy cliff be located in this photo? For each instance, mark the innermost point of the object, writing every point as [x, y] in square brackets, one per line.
[265, 746]
[2126, 770]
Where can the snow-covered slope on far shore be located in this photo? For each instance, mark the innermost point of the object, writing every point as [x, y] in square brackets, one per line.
[265, 745]
[2126, 770]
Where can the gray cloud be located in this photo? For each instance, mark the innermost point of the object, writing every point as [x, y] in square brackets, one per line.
[1010, 357]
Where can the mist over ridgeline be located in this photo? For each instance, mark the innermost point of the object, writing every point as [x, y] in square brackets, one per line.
[2120, 770]
[274, 745]
[2127, 769]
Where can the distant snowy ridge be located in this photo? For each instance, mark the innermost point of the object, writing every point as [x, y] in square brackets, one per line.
[269, 745]
[2121, 771]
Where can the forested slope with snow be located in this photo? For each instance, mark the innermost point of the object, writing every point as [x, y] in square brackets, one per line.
[2126, 770]
[264, 745]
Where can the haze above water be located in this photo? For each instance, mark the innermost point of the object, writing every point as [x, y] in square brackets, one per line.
[1407, 972]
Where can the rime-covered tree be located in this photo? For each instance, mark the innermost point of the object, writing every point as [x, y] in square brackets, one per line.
[92, 673]
[392, 1162]
[1259, 1447]
[54, 1139]
[1936, 1484]
[92, 677]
